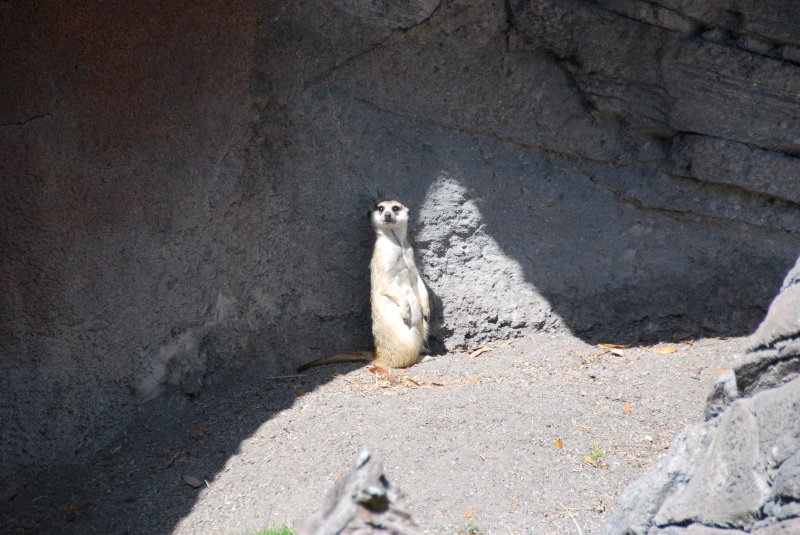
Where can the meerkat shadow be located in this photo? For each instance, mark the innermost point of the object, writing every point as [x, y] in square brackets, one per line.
[436, 332]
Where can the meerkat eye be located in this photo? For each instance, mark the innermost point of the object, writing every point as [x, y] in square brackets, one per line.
[379, 208]
[395, 208]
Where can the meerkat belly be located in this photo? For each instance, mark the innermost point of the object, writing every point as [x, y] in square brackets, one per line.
[397, 344]
[406, 283]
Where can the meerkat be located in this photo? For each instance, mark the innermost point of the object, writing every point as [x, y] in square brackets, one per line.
[398, 297]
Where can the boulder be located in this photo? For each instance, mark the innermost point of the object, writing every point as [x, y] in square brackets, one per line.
[739, 471]
[362, 501]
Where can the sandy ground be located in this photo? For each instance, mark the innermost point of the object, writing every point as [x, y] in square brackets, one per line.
[537, 435]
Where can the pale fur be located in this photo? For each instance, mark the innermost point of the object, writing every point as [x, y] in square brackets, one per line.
[398, 297]
[400, 305]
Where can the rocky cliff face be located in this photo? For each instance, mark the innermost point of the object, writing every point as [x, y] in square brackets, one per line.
[184, 190]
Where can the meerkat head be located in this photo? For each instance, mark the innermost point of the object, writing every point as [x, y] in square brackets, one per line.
[389, 215]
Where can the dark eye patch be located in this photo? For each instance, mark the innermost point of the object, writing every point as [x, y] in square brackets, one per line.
[395, 208]
[379, 208]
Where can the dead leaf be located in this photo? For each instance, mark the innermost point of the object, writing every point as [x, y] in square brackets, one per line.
[392, 378]
[412, 381]
[626, 408]
[559, 443]
[379, 371]
[301, 392]
[475, 379]
[513, 500]
[479, 351]
[74, 508]
[590, 460]
[663, 350]
[74, 511]
[599, 506]
[168, 460]
[192, 481]
[468, 513]
[197, 431]
[612, 346]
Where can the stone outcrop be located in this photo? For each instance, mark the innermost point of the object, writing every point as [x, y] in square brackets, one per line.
[184, 188]
[739, 471]
[362, 501]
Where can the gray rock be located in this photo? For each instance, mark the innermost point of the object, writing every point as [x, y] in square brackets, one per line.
[724, 391]
[737, 164]
[362, 501]
[787, 483]
[182, 204]
[740, 469]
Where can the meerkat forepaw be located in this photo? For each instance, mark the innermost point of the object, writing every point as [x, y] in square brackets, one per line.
[416, 318]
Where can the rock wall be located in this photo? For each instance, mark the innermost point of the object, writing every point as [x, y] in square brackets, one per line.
[739, 471]
[184, 189]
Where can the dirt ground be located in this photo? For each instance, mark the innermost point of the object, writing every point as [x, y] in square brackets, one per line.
[538, 435]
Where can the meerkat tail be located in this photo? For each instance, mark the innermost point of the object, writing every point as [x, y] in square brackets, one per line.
[354, 356]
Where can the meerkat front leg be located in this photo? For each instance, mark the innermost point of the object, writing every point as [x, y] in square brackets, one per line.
[414, 307]
[396, 296]
[425, 304]
[424, 300]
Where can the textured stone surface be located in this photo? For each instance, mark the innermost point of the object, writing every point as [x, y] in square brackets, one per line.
[362, 501]
[184, 188]
[740, 469]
